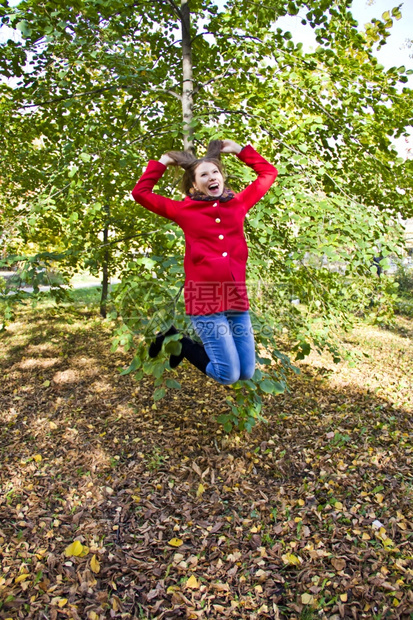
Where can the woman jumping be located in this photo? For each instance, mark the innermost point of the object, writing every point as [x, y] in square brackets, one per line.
[212, 218]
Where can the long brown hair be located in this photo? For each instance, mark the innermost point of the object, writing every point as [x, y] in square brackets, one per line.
[190, 163]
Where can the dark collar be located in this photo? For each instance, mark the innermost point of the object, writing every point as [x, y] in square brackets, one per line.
[226, 195]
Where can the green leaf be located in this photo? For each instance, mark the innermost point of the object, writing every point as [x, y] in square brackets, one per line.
[223, 418]
[24, 28]
[267, 386]
[159, 393]
[173, 347]
[135, 364]
[278, 388]
[171, 383]
[158, 369]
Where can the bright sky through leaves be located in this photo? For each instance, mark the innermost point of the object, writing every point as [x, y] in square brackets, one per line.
[394, 53]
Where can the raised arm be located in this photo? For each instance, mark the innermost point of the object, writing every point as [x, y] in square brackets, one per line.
[267, 174]
[143, 194]
[229, 146]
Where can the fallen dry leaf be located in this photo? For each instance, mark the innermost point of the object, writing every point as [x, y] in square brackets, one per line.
[307, 599]
[175, 542]
[192, 583]
[76, 549]
[94, 564]
[338, 563]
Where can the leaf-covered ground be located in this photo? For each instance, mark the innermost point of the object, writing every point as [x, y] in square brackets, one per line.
[112, 507]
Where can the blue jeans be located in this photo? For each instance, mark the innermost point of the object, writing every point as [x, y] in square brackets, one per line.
[229, 342]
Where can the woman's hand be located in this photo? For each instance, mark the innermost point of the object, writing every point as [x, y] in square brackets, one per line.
[166, 160]
[229, 146]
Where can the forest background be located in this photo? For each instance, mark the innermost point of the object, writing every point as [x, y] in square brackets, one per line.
[111, 504]
[93, 89]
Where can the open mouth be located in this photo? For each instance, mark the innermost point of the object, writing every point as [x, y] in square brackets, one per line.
[213, 187]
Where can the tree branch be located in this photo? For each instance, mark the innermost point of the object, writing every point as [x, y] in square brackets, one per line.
[290, 148]
[66, 97]
[98, 91]
[214, 79]
[176, 9]
[168, 92]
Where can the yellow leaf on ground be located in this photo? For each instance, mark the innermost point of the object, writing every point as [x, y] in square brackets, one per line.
[115, 603]
[76, 549]
[387, 542]
[21, 578]
[94, 564]
[175, 542]
[290, 558]
[307, 599]
[62, 602]
[200, 490]
[92, 615]
[37, 458]
[85, 551]
[344, 597]
[379, 497]
[338, 506]
[192, 583]
[53, 425]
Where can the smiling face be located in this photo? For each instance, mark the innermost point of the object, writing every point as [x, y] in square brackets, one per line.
[209, 179]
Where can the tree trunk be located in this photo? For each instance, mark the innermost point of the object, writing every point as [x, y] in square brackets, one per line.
[187, 84]
[105, 267]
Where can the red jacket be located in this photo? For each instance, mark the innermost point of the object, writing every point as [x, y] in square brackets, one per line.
[216, 251]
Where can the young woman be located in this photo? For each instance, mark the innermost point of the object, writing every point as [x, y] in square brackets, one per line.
[212, 218]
